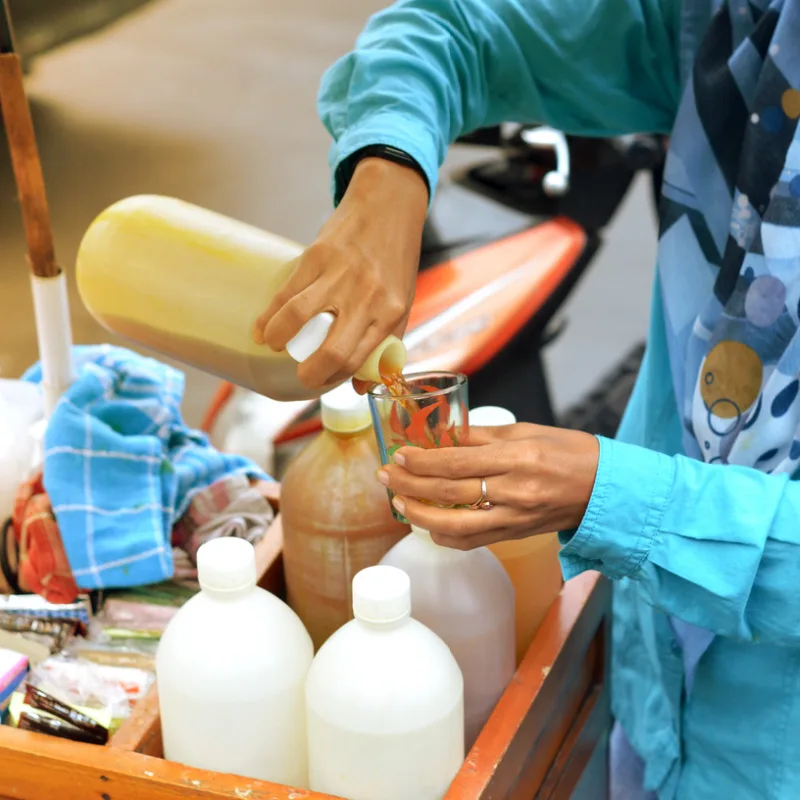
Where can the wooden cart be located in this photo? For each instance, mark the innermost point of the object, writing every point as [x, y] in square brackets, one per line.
[546, 739]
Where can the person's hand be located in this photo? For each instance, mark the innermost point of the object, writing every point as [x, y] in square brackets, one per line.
[362, 268]
[538, 479]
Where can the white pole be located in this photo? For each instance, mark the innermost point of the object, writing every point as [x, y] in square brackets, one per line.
[54, 333]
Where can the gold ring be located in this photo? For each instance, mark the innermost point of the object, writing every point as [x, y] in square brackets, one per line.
[482, 503]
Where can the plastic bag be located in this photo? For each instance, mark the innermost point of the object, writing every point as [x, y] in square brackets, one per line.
[79, 682]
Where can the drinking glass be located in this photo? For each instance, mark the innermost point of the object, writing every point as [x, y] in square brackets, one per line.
[426, 409]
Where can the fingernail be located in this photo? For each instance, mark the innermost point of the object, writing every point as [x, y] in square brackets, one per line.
[383, 477]
[399, 505]
[399, 459]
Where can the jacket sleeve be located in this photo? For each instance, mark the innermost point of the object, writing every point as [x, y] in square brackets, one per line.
[426, 71]
[715, 546]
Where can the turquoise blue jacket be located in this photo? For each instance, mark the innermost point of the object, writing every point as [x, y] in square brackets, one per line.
[715, 546]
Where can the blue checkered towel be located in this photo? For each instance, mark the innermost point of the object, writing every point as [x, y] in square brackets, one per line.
[120, 466]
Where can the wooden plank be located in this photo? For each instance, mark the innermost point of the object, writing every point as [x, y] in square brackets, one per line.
[536, 739]
[529, 715]
[578, 749]
[516, 750]
[36, 767]
[557, 713]
[27, 168]
[141, 732]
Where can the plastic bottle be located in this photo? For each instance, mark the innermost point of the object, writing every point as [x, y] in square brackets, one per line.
[336, 518]
[466, 598]
[531, 563]
[384, 701]
[20, 410]
[190, 284]
[231, 669]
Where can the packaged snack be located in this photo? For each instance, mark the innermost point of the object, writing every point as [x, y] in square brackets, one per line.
[135, 616]
[17, 706]
[21, 644]
[13, 669]
[34, 606]
[166, 593]
[116, 653]
[80, 682]
[44, 702]
[31, 720]
[58, 631]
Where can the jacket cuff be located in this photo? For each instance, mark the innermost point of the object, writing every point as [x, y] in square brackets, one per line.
[391, 130]
[630, 495]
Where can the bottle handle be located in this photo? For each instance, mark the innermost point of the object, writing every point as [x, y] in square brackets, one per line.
[388, 358]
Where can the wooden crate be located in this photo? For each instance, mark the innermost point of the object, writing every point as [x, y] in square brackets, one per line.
[551, 723]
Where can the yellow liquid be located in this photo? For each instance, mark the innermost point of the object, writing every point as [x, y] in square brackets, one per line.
[190, 284]
[534, 569]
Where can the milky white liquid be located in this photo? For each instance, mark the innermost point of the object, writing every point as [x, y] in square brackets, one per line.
[417, 764]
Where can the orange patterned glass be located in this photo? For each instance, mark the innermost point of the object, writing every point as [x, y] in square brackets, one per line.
[425, 410]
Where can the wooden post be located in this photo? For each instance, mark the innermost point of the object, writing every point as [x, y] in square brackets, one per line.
[25, 156]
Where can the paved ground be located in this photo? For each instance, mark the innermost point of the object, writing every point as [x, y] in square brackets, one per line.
[213, 101]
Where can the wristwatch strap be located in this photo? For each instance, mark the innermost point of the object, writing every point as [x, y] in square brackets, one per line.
[344, 172]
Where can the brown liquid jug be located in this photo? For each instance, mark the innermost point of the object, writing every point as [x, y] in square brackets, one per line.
[190, 283]
[336, 519]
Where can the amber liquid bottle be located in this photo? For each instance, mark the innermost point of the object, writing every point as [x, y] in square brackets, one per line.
[336, 518]
[531, 563]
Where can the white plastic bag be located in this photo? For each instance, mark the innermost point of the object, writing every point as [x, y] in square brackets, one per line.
[21, 409]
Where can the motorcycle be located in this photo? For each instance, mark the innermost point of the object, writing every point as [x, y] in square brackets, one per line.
[505, 243]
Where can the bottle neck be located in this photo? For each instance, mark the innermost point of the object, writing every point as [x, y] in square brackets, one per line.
[347, 435]
[229, 595]
[441, 552]
[389, 625]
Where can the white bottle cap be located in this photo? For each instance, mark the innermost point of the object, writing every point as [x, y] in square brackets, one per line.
[381, 594]
[344, 410]
[310, 337]
[490, 416]
[226, 564]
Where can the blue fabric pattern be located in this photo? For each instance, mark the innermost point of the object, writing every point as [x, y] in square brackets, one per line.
[120, 466]
[729, 253]
[730, 240]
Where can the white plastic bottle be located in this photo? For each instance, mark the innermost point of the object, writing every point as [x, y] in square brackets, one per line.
[385, 701]
[231, 670]
[466, 598]
[20, 409]
[531, 563]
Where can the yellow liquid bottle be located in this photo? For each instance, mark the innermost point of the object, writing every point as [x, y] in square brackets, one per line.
[531, 563]
[190, 283]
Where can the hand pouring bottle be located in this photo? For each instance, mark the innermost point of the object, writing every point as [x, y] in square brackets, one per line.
[190, 284]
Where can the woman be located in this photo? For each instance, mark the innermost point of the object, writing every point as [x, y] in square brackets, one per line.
[692, 511]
